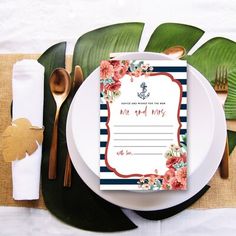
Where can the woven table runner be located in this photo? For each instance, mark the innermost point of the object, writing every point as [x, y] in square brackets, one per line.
[221, 194]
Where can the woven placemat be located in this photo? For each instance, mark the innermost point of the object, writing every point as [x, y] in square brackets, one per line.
[221, 194]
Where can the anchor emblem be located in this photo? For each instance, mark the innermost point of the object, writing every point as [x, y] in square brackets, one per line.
[143, 95]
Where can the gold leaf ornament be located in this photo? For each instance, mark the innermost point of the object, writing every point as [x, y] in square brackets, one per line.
[20, 138]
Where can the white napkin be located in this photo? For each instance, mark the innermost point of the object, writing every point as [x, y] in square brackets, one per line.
[28, 90]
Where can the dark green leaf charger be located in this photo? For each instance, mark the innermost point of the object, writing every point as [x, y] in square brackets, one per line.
[78, 205]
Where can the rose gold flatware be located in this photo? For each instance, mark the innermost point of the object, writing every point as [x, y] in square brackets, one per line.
[175, 51]
[78, 78]
[77, 81]
[60, 85]
[67, 173]
[221, 88]
[231, 125]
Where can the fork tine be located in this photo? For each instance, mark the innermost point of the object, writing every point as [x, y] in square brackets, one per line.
[225, 78]
[222, 77]
[217, 76]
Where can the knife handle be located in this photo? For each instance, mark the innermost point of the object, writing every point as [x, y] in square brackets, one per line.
[67, 173]
[224, 165]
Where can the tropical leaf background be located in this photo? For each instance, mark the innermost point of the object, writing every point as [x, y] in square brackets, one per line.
[78, 205]
[214, 53]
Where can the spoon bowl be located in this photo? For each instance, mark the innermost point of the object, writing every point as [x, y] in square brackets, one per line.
[60, 85]
[175, 51]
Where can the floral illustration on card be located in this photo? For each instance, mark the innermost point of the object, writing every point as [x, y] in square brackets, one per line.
[175, 178]
[143, 125]
[112, 72]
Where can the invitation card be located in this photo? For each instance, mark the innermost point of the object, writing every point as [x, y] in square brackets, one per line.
[143, 125]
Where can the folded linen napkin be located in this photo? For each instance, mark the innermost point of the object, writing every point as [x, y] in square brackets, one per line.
[28, 91]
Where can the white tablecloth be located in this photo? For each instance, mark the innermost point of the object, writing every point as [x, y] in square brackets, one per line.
[26, 221]
[32, 26]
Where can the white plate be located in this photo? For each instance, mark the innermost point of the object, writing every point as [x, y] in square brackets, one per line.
[206, 139]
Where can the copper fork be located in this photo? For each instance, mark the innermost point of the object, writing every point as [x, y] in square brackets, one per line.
[221, 88]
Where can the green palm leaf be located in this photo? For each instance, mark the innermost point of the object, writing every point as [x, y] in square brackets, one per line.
[218, 52]
[172, 34]
[97, 45]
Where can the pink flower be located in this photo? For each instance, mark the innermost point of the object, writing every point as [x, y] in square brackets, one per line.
[176, 185]
[137, 72]
[142, 179]
[113, 87]
[126, 64]
[118, 75]
[172, 161]
[181, 175]
[119, 69]
[183, 158]
[116, 64]
[169, 174]
[101, 87]
[106, 70]
[165, 185]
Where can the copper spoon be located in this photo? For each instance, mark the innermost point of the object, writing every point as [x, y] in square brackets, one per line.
[78, 80]
[60, 86]
[175, 51]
